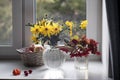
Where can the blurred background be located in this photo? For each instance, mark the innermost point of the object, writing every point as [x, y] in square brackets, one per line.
[5, 22]
[62, 10]
[59, 10]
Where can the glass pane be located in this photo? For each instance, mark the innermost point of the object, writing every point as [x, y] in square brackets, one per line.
[74, 10]
[5, 22]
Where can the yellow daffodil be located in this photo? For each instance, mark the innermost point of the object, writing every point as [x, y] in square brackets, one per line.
[83, 24]
[35, 29]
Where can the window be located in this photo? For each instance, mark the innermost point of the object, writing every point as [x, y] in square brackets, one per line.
[22, 12]
[75, 10]
[6, 22]
[10, 27]
[62, 10]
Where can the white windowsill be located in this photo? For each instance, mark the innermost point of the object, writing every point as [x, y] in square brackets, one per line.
[95, 71]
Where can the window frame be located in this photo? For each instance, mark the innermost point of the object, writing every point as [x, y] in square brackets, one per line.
[26, 10]
[10, 50]
[94, 17]
[29, 16]
[94, 28]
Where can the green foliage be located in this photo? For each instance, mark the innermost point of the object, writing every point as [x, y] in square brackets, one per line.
[74, 10]
[5, 21]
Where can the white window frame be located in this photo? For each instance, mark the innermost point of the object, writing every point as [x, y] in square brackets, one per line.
[24, 11]
[10, 51]
[94, 28]
[29, 14]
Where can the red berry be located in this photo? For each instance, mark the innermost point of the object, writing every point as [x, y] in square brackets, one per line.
[30, 71]
[26, 74]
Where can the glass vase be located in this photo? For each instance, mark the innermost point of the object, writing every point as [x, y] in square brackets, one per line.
[53, 57]
[81, 63]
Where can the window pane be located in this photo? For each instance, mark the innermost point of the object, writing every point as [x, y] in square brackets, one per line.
[74, 10]
[5, 22]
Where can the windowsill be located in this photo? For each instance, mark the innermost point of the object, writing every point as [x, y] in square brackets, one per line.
[95, 71]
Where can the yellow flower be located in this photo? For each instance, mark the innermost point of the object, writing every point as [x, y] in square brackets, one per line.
[70, 33]
[76, 37]
[83, 24]
[42, 22]
[69, 23]
[35, 29]
[46, 30]
[56, 28]
[35, 39]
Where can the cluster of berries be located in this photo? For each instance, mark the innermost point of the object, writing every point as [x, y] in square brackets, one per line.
[27, 72]
[17, 72]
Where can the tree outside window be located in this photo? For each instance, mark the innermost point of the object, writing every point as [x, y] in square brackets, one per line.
[62, 10]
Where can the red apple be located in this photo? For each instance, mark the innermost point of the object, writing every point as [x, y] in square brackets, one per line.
[16, 72]
[31, 49]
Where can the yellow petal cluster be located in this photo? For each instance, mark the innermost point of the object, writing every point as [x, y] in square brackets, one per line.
[46, 28]
[70, 25]
[35, 39]
[83, 24]
[35, 29]
[56, 28]
[76, 37]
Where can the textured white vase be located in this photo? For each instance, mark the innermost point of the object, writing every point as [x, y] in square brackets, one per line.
[53, 57]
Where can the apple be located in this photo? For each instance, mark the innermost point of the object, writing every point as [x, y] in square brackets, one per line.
[31, 48]
[16, 72]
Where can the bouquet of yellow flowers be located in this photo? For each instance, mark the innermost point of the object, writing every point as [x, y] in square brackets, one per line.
[46, 31]
[49, 31]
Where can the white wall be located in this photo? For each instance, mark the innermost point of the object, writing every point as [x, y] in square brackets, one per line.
[94, 13]
[98, 28]
[105, 38]
[94, 28]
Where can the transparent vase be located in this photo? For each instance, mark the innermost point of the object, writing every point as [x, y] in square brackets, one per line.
[53, 57]
[81, 63]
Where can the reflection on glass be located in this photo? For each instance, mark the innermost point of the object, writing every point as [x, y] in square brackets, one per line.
[82, 74]
[62, 10]
[54, 74]
[5, 22]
